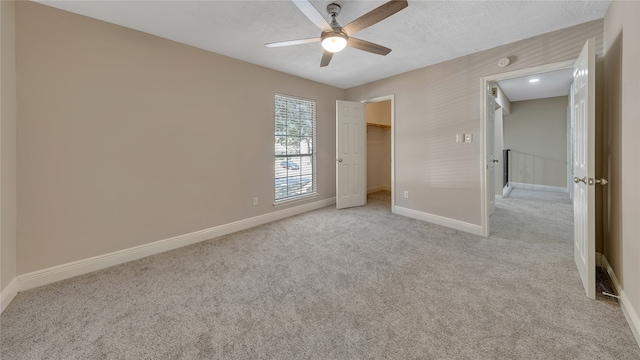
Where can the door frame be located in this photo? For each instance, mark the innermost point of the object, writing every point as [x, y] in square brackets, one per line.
[391, 97]
[485, 81]
[490, 148]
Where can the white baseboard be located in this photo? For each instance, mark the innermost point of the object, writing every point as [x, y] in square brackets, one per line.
[625, 304]
[538, 187]
[65, 271]
[378, 188]
[506, 191]
[439, 220]
[599, 260]
[7, 295]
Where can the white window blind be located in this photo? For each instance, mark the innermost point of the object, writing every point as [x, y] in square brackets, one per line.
[295, 123]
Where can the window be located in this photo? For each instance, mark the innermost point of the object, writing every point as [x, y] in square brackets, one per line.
[294, 148]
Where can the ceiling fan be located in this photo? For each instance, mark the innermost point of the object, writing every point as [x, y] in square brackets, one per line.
[335, 37]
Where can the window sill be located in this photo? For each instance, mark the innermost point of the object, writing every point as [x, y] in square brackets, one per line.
[294, 200]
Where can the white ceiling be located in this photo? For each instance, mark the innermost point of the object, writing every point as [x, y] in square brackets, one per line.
[549, 84]
[425, 33]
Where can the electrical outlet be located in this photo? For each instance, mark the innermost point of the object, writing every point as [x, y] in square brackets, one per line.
[255, 201]
[406, 194]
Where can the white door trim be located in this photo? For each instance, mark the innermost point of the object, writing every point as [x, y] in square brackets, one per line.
[484, 81]
[391, 97]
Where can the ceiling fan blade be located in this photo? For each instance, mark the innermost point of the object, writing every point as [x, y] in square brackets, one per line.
[326, 58]
[312, 13]
[376, 15]
[368, 46]
[292, 42]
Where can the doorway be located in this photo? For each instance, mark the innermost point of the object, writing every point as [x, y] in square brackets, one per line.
[488, 176]
[351, 150]
[380, 120]
[583, 114]
[533, 133]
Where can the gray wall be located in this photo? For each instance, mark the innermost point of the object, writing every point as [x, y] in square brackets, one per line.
[536, 133]
[435, 103]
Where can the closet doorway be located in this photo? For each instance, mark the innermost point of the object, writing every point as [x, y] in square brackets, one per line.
[379, 116]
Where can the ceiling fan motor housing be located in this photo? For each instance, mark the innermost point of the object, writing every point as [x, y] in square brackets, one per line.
[333, 33]
[333, 9]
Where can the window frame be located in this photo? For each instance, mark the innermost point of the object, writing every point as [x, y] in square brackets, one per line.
[286, 157]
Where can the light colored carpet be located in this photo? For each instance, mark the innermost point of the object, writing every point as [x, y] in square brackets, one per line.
[350, 284]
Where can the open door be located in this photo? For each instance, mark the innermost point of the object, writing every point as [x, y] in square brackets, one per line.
[491, 159]
[351, 159]
[583, 90]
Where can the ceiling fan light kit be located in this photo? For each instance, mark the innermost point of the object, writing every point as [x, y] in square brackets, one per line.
[334, 41]
[334, 38]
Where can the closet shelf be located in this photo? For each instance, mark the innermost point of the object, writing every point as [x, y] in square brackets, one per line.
[379, 125]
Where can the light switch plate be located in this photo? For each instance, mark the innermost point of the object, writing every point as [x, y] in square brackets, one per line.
[468, 138]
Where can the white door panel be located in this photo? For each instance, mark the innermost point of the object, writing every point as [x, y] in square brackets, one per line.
[584, 166]
[351, 160]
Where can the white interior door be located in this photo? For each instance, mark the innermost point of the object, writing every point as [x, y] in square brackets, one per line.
[584, 251]
[351, 159]
[491, 124]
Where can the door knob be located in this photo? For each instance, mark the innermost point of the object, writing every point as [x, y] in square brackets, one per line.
[495, 160]
[339, 159]
[577, 180]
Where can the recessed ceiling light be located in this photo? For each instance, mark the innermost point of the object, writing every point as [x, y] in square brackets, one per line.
[534, 80]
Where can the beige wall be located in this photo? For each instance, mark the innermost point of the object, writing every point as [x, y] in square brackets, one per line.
[378, 113]
[7, 145]
[536, 133]
[622, 149]
[127, 138]
[435, 103]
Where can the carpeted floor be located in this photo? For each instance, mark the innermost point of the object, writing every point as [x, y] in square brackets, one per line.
[358, 283]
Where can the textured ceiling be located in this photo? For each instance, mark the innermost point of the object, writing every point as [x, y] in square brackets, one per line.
[425, 33]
